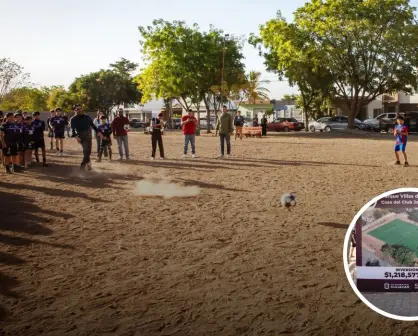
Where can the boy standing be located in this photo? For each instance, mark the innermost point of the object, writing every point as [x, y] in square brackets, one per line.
[28, 140]
[58, 124]
[189, 122]
[50, 131]
[106, 139]
[11, 136]
[20, 124]
[39, 128]
[239, 124]
[401, 134]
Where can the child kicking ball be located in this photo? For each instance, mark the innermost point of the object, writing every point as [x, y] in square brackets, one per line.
[401, 134]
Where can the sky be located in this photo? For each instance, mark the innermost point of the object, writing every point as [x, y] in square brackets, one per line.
[57, 41]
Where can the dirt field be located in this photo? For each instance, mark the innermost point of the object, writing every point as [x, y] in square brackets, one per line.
[85, 256]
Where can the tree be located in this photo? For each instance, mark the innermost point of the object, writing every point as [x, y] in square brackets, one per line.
[59, 97]
[400, 254]
[254, 88]
[288, 52]
[373, 263]
[185, 64]
[12, 76]
[369, 47]
[25, 98]
[106, 89]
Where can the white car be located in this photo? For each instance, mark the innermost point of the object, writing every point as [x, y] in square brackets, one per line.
[384, 116]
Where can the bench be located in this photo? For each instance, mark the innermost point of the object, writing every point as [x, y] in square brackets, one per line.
[252, 132]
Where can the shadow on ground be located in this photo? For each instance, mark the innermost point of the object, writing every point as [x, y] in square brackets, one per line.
[19, 216]
[334, 225]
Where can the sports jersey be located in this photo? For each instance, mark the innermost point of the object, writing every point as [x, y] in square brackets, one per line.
[29, 134]
[39, 127]
[401, 139]
[12, 133]
[58, 123]
[105, 129]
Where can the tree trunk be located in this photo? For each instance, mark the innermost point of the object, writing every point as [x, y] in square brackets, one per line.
[207, 105]
[306, 117]
[354, 110]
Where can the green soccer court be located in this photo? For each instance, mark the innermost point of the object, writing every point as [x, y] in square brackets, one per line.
[398, 232]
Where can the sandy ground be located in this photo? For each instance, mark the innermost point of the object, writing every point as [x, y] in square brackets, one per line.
[83, 255]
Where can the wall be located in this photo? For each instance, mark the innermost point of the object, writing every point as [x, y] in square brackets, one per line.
[407, 99]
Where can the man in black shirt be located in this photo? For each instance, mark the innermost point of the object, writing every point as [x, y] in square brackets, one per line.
[81, 125]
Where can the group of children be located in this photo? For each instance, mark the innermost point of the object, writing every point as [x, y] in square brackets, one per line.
[21, 135]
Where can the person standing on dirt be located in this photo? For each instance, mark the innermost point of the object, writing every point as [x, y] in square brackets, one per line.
[225, 129]
[81, 125]
[264, 126]
[120, 126]
[239, 124]
[157, 126]
[189, 124]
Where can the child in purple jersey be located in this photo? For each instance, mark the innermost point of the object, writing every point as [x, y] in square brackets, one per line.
[20, 124]
[39, 127]
[106, 140]
[11, 136]
[29, 138]
[401, 134]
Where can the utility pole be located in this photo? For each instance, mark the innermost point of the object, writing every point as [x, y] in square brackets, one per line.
[223, 68]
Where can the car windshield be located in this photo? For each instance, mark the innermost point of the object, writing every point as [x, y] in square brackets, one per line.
[324, 119]
[357, 121]
[292, 120]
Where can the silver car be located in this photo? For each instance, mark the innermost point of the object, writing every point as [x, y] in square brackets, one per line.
[328, 124]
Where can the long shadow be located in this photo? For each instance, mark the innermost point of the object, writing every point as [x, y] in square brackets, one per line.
[340, 135]
[177, 164]
[20, 216]
[209, 185]
[72, 175]
[51, 191]
[334, 225]
[303, 163]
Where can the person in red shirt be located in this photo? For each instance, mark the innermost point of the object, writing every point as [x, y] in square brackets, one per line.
[120, 126]
[189, 123]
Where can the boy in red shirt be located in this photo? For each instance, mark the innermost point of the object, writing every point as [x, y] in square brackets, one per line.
[120, 127]
[189, 123]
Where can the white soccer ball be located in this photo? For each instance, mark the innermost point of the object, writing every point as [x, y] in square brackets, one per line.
[288, 200]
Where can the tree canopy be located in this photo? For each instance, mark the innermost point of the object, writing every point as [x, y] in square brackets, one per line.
[25, 98]
[185, 64]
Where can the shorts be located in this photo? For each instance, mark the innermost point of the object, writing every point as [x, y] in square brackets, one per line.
[21, 147]
[59, 134]
[40, 143]
[11, 150]
[50, 134]
[400, 147]
[30, 145]
[106, 143]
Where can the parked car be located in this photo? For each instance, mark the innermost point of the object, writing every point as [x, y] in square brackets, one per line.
[204, 124]
[328, 124]
[174, 124]
[285, 125]
[381, 117]
[411, 120]
[137, 123]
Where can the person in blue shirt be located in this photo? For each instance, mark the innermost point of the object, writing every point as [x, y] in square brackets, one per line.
[239, 124]
[11, 137]
[401, 135]
[106, 139]
[58, 124]
[39, 127]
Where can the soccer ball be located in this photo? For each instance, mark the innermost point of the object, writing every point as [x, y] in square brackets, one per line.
[126, 127]
[288, 200]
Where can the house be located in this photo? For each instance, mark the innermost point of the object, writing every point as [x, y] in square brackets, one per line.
[286, 109]
[255, 109]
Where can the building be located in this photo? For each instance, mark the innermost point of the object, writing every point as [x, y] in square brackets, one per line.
[255, 109]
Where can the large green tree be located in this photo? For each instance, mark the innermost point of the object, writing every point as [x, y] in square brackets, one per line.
[106, 89]
[25, 98]
[288, 52]
[369, 47]
[185, 64]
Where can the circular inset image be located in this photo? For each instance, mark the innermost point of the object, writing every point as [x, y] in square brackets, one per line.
[381, 254]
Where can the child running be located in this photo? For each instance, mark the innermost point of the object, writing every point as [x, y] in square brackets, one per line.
[29, 142]
[106, 140]
[39, 127]
[58, 123]
[11, 136]
[401, 134]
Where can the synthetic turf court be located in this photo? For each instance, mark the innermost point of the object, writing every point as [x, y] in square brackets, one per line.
[398, 232]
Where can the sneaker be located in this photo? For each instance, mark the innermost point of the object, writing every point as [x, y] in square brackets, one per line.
[397, 162]
[12, 168]
[184, 156]
[194, 156]
[221, 156]
[161, 158]
[120, 159]
[7, 170]
[89, 167]
[128, 158]
[406, 164]
[228, 156]
[152, 158]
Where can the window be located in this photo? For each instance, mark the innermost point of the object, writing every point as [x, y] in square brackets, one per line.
[391, 115]
[292, 120]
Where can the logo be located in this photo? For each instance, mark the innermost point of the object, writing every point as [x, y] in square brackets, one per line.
[386, 286]
[416, 286]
